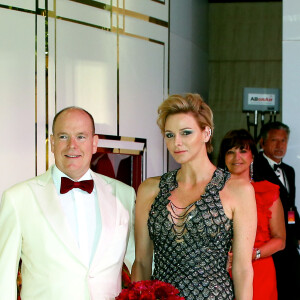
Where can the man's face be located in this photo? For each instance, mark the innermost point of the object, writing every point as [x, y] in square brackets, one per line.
[275, 144]
[73, 143]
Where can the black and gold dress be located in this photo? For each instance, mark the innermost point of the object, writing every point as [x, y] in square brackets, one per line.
[191, 243]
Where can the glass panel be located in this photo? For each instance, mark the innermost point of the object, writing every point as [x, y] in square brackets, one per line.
[125, 163]
[17, 94]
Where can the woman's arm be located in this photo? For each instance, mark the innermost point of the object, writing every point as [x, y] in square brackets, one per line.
[277, 228]
[142, 267]
[244, 230]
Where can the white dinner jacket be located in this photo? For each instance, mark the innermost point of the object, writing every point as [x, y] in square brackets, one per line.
[34, 227]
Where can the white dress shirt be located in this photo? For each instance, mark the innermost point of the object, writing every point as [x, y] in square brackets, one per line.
[83, 214]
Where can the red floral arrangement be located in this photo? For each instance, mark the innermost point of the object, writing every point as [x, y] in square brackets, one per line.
[150, 290]
[126, 277]
[19, 282]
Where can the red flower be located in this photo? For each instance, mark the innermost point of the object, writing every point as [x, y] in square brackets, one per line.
[150, 290]
[126, 280]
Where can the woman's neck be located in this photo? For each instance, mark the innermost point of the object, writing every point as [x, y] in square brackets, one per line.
[194, 172]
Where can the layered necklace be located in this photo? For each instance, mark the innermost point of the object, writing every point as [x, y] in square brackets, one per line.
[179, 217]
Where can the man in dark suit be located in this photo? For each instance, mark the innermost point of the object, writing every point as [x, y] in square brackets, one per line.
[269, 166]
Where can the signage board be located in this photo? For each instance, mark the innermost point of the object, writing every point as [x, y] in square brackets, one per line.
[260, 99]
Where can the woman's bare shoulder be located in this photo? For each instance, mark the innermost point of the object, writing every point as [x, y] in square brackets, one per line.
[149, 188]
[150, 183]
[239, 185]
[239, 191]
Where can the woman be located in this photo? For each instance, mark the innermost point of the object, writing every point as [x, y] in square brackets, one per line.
[188, 217]
[237, 152]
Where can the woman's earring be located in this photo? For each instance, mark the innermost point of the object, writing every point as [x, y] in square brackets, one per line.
[209, 132]
[251, 171]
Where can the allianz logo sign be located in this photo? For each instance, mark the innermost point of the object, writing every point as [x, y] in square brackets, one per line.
[258, 99]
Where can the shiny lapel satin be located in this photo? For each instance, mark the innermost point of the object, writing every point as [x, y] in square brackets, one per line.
[108, 208]
[47, 198]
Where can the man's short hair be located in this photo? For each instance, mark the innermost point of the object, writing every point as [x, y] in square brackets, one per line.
[273, 125]
[73, 107]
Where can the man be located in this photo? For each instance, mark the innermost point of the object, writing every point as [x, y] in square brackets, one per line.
[72, 242]
[273, 141]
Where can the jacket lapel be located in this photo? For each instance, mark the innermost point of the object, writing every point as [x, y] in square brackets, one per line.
[270, 174]
[48, 200]
[108, 211]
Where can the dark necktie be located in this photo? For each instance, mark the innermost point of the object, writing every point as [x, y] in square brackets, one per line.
[68, 184]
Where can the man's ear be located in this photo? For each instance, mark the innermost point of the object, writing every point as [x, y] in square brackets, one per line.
[261, 143]
[95, 143]
[52, 142]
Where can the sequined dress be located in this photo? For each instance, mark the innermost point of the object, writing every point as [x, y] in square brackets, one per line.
[195, 261]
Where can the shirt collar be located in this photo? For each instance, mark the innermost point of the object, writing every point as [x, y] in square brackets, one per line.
[271, 161]
[57, 174]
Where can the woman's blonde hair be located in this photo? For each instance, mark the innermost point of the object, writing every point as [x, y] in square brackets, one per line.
[188, 103]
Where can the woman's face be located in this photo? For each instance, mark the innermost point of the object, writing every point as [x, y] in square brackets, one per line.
[238, 160]
[184, 138]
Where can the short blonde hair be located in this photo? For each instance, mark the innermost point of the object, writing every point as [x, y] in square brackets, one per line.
[188, 103]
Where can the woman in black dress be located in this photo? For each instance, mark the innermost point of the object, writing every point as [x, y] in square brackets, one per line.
[188, 217]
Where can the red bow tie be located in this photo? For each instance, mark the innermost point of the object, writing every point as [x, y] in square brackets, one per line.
[68, 184]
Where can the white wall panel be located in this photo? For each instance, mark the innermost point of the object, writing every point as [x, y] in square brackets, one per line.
[189, 47]
[86, 72]
[146, 29]
[141, 92]
[42, 4]
[41, 96]
[82, 12]
[17, 96]
[25, 4]
[183, 80]
[51, 109]
[76, 63]
[290, 112]
[290, 84]
[158, 34]
[291, 20]
[149, 8]
[108, 2]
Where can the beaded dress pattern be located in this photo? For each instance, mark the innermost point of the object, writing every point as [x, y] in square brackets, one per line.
[192, 256]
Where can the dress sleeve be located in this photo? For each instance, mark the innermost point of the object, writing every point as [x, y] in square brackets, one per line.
[266, 193]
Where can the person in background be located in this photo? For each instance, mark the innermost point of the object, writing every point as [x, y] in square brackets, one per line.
[237, 153]
[273, 141]
[70, 226]
[189, 216]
